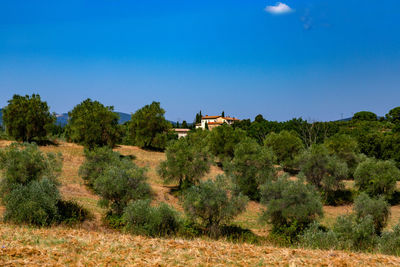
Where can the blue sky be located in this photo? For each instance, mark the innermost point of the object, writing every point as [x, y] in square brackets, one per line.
[315, 59]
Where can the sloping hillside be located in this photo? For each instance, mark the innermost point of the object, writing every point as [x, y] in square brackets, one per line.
[94, 244]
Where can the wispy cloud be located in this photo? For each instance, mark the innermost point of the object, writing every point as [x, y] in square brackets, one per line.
[279, 8]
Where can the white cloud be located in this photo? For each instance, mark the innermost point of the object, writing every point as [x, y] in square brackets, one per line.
[279, 8]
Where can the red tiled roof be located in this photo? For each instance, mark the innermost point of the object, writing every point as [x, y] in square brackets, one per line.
[210, 117]
[182, 130]
[231, 119]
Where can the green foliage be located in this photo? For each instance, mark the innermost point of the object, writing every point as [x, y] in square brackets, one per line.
[365, 116]
[23, 163]
[148, 127]
[322, 170]
[290, 206]
[186, 162]
[286, 147]
[316, 237]
[222, 141]
[198, 118]
[27, 118]
[355, 234]
[91, 124]
[96, 161]
[210, 205]
[389, 242]
[391, 148]
[378, 209]
[70, 212]
[345, 148]
[251, 167]
[394, 115]
[119, 184]
[143, 219]
[33, 203]
[377, 177]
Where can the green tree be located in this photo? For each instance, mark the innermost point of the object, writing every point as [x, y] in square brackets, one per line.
[290, 206]
[365, 116]
[118, 185]
[198, 117]
[186, 162]
[286, 147]
[184, 125]
[223, 114]
[345, 148]
[222, 141]
[377, 208]
[148, 127]
[210, 204]
[252, 166]
[92, 124]
[27, 118]
[377, 177]
[322, 170]
[394, 115]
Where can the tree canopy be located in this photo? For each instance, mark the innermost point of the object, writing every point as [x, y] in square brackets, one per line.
[93, 124]
[27, 118]
[148, 127]
[365, 116]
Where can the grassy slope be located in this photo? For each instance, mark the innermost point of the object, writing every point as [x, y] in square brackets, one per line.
[91, 243]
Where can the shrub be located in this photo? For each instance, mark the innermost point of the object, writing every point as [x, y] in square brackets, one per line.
[291, 206]
[378, 209]
[70, 212]
[316, 237]
[34, 203]
[377, 177]
[356, 234]
[210, 205]
[185, 163]
[96, 161]
[323, 171]
[92, 124]
[27, 118]
[118, 185]
[143, 219]
[389, 243]
[23, 163]
[286, 147]
[251, 167]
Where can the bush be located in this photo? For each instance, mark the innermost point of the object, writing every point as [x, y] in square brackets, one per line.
[322, 170]
[251, 167]
[316, 237]
[389, 243]
[92, 124]
[96, 161]
[377, 177]
[185, 163]
[70, 212]
[27, 118]
[286, 147]
[356, 234]
[143, 219]
[34, 203]
[210, 205]
[24, 163]
[118, 185]
[291, 206]
[378, 209]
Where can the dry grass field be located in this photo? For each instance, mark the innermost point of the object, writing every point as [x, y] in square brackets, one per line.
[92, 244]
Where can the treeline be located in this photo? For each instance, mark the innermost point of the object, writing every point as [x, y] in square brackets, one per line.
[258, 158]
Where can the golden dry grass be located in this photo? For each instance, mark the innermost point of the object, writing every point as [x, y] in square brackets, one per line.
[93, 244]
